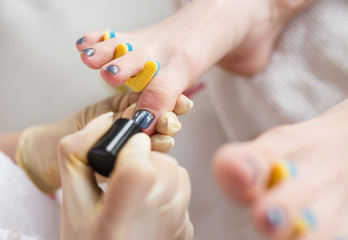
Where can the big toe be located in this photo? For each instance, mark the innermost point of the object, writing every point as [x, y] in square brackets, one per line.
[241, 171]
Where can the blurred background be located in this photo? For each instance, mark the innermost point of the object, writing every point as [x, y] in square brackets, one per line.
[43, 80]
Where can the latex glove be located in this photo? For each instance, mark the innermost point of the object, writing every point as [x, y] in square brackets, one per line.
[37, 147]
[146, 199]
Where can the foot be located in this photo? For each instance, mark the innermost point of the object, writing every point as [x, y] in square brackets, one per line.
[295, 177]
[187, 44]
[252, 54]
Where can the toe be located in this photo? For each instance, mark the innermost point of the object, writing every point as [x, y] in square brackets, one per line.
[97, 55]
[121, 69]
[88, 40]
[241, 171]
[306, 207]
[245, 171]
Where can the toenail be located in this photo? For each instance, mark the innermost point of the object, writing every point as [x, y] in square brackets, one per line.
[305, 222]
[80, 40]
[113, 69]
[89, 51]
[275, 218]
[143, 118]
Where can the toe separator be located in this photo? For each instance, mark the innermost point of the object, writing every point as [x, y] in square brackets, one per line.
[140, 81]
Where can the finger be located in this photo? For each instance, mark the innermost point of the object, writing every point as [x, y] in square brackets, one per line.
[186, 232]
[80, 190]
[162, 143]
[168, 124]
[119, 103]
[183, 105]
[174, 212]
[130, 181]
[167, 180]
[129, 111]
[88, 40]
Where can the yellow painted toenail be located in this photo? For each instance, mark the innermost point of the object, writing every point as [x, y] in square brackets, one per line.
[282, 170]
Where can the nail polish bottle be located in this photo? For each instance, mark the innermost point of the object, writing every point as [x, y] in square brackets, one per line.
[103, 154]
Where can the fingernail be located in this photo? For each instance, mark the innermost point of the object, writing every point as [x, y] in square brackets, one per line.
[113, 69]
[143, 118]
[305, 222]
[89, 51]
[80, 40]
[275, 218]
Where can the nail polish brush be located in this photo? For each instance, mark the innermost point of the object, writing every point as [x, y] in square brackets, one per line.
[103, 154]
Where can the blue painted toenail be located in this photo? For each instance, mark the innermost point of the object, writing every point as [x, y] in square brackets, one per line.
[113, 69]
[143, 118]
[81, 40]
[89, 52]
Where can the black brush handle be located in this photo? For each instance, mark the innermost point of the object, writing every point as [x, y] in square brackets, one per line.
[103, 155]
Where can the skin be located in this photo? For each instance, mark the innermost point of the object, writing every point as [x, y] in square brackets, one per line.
[186, 46]
[177, 43]
[243, 171]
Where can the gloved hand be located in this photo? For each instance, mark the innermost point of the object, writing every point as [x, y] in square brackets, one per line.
[146, 198]
[37, 147]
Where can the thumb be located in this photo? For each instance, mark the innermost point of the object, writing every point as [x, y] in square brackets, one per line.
[80, 190]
